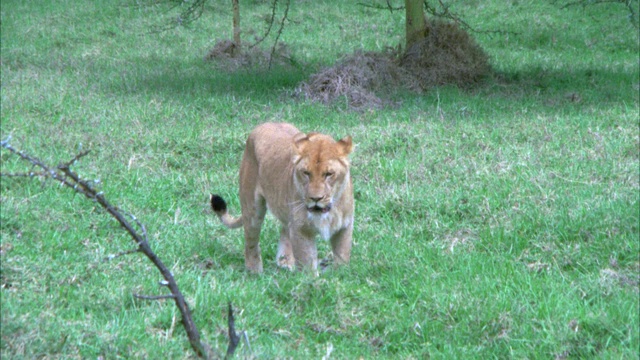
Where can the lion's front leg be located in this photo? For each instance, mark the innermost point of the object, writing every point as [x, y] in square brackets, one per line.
[305, 250]
[341, 245]
[284, 257]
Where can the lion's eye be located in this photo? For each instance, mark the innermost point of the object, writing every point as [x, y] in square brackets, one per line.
[306, 173]
[328, 174]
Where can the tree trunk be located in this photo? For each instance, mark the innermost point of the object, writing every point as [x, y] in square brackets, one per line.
[415, 21]
[236, 24]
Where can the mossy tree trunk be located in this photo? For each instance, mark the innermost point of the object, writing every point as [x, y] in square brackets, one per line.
[236, 24]
[415, 21]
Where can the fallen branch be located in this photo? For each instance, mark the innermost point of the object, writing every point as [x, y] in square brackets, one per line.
[63, 174]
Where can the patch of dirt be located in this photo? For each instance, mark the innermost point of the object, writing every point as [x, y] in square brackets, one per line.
[447, 55]
[226, 56]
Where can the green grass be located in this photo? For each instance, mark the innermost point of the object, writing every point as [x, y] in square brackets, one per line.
[500, 222]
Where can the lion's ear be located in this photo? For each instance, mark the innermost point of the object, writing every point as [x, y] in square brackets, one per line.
[299, 143]
[346, 145]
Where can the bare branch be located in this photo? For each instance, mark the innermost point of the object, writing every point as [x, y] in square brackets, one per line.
[592, 2]
[380, 7]
[271, 20]
[190, 12]
[46, 172]
[68, 178]
[141, 226]
[75, 158]
[275, 43]
[444, 13]
[631, 5]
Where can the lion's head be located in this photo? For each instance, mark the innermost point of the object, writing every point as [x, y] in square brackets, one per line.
[321, 170]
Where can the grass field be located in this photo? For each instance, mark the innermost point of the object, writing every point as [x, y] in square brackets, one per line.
[498, 222]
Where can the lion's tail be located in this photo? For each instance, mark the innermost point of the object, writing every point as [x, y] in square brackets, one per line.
[219, 206]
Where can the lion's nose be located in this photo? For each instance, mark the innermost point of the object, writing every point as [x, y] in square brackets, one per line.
[316, 199]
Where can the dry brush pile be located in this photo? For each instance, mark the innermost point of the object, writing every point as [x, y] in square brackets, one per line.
[446, 56]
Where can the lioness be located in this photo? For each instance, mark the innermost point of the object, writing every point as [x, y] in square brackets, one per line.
[303, 179]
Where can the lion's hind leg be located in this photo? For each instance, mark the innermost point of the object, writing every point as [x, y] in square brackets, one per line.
[254, 213]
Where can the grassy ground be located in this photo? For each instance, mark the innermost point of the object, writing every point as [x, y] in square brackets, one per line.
[500, 222]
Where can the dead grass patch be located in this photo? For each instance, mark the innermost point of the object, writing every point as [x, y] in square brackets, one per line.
[226, 56]
[356, 79]
[609, 278]
[446, 56]
[463, 238]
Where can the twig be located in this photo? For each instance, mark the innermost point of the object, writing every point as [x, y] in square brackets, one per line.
[67, 177]
[380, 7]
[75, 158]
[275, 43]
[141, 226]
[273, 15]
[192, 11]
[444, 13]
[627, 3]
[584, 3]
[123, 253]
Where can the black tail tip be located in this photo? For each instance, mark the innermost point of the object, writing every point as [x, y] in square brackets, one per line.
[218, 204]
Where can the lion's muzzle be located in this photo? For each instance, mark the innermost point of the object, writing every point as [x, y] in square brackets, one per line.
[317, 209]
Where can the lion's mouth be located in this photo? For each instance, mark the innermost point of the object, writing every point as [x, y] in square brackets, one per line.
[319, 210]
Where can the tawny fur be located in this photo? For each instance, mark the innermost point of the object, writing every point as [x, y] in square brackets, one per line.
[304, 180]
